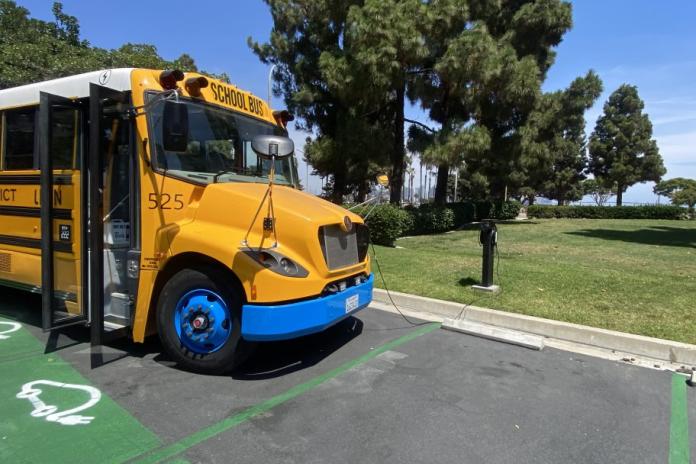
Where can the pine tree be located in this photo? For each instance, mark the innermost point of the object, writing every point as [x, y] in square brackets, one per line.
[554, 145]
[622, 150]
[488, 60]
[343, 69]
[317, 75]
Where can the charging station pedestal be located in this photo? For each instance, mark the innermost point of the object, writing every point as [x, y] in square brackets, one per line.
[488, 239]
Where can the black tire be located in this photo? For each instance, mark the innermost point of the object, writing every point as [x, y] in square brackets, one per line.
[229, 355]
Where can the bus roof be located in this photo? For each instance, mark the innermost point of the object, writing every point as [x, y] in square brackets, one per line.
[70, 87]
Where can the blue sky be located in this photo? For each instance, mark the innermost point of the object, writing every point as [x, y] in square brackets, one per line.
[641, 42]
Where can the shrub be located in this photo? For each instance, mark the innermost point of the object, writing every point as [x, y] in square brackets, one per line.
[432, 219]
[386, 223]
[464, 212]
[485, 210]
[507, 210]
[607, 212]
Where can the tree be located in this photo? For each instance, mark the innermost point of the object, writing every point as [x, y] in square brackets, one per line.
[385, 43]
[599, 192]
[310, 47]
[443, 22]
[524, 34]
[56, 49]
[342, 69]
[680, 190]
[480, 80]
[622, 150]
[554, 145]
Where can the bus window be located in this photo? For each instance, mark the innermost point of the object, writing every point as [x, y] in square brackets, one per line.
[19, 139]
[219, 147]
[251, 160]
[64, 141]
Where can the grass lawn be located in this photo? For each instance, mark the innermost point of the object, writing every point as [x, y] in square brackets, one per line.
[636, 276]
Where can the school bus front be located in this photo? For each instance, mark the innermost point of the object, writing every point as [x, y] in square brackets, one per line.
[196, 221]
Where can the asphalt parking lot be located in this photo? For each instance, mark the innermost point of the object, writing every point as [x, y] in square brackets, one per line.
[372, 389]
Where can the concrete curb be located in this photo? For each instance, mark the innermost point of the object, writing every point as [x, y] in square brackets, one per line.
[655, 348]
[491, 332]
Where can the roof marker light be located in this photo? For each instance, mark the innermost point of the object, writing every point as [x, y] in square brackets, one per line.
[195, 84]
[169, 78]
[283, 117]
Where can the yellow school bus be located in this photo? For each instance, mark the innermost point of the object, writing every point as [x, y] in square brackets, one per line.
[140, 201]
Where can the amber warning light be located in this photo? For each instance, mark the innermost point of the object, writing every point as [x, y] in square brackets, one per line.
[195, 84]
[283, 117]
[169, 78]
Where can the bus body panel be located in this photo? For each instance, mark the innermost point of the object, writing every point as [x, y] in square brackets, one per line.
[20, 233]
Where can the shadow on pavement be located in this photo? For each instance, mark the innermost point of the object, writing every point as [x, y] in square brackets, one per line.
[658, 235]
[25, 307]
[276, 359]
[267, 360]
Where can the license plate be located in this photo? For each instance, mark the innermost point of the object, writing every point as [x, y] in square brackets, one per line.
[351, 303]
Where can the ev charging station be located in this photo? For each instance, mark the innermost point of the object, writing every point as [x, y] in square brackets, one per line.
[488, 238]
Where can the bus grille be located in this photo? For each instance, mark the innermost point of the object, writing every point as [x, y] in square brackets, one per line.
[340, 248]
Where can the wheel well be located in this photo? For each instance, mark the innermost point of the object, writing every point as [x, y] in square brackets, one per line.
[190, 260]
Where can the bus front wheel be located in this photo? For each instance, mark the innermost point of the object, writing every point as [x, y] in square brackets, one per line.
[199, 322]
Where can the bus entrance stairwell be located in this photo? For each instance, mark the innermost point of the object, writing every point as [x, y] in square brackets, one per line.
[110, 192]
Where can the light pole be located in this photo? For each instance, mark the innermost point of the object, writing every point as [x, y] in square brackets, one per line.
[270, 83]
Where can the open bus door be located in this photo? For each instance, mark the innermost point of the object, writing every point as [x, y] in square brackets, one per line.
[64, 297]
[83, 268]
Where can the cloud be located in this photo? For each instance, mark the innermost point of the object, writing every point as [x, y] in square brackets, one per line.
[677, 148]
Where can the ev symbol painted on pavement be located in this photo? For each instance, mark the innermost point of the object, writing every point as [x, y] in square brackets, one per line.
[67, 417]
[14, 326]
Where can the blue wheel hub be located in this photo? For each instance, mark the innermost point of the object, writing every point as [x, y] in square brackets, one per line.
[202, 321]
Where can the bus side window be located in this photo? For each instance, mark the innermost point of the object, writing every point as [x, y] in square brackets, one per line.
[19, 139]
[64, 141]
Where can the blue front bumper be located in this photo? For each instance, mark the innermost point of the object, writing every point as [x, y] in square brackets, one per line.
[285, 321]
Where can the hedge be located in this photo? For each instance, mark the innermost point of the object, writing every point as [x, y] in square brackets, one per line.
[386, 222]
[431, 219]
[607, 212]
[467, 211]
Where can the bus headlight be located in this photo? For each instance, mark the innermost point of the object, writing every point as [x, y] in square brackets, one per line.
[276, 262]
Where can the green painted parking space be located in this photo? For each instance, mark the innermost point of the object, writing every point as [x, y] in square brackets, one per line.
[679, 423]
[58, 416]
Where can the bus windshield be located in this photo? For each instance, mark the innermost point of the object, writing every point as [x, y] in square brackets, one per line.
[219, 147]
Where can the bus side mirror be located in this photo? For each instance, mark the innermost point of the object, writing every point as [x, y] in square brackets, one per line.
[268, 146]
[175, 126]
